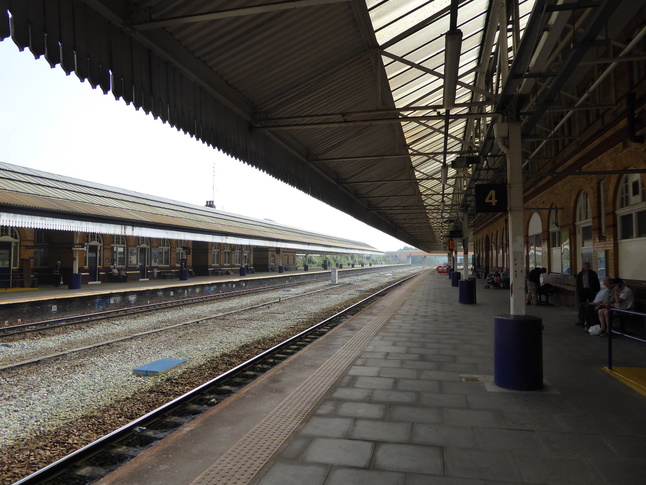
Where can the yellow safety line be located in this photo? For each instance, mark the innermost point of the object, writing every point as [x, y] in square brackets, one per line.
[634, 377]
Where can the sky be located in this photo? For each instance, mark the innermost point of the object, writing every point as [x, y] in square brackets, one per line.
[50, 121]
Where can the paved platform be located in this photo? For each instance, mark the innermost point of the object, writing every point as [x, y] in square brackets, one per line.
[402, 394]
[46, 292]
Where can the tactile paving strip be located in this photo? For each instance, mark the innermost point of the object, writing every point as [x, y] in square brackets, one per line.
[243, 461]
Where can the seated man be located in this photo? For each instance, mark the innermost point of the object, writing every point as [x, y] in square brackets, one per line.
[623, 300]
[588, 310]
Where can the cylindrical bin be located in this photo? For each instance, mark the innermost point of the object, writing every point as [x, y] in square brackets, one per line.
[518, 352]
[450, 272]
[306, 267]
[455, 278]
[281, 269]
[467, 291]
[243, 271]
[183, 274]
[75, 281]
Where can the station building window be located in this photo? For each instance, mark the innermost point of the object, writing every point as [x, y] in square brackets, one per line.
[9, 247]
[584, 229]
[161, 255]
[118, 250]
[238, 257]
[41, 248]
[535, 242]
[215, 255]
[245, 257]
[602, 207]
[631, 216]
[180, 253]
[227, 255]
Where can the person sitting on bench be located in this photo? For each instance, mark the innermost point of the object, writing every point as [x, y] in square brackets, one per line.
[588, 310]
[623, 300]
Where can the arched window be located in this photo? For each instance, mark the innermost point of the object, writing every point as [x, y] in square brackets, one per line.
[631, 230]
[164, 253]
[584, 229]
[119, 251]
[535, 241]
[9, 245]
[41, 248]
[180, 252]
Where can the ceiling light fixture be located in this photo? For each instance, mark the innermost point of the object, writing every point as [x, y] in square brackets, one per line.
[453, 44]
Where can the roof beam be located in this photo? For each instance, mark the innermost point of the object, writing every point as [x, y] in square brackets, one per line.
[378, 121]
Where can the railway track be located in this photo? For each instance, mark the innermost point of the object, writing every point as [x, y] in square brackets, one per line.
[133, 310]
[94, 461]
[165, 328]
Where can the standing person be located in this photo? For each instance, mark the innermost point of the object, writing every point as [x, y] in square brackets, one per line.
[58, 276]
[533, 284]
[587, 284]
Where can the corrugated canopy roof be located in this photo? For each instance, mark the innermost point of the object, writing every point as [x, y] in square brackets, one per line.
[50, 195]
[343, 99]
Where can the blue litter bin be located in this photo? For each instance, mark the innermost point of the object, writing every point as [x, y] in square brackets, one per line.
[455, 278]
[450, 272]
[243, 271]
[306, 267]
[183, 274]
[281, 269]
[467, 291]
[518, 352]
[75, 281]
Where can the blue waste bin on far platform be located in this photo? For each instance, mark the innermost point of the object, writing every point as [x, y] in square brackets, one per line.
[75, 281]
[455, 278]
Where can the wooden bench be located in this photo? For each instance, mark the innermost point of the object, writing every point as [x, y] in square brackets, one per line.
[168, 273]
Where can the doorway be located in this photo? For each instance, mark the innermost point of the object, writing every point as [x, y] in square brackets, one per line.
[143, 259]
[5, 265]
[93, 262]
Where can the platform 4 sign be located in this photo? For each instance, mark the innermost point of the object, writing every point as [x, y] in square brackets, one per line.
[491, 197]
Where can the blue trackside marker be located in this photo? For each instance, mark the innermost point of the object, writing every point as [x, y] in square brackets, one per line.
[157, 367]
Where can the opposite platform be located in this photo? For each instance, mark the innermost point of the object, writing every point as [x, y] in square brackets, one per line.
[402, 394]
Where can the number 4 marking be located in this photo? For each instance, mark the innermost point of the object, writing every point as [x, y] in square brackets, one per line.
[491, 198]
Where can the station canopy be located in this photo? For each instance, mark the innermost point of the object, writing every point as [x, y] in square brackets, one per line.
[380, 108]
